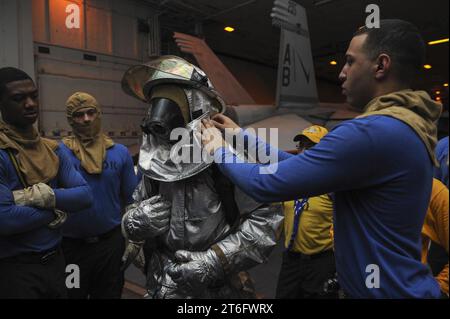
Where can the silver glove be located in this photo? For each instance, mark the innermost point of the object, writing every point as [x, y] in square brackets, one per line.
[195, 271]
[150, 219]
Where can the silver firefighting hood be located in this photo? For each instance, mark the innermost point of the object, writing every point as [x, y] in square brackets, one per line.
[168, 162]
[159, 159]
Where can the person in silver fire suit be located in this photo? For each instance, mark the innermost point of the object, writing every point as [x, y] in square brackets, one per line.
[198, 232]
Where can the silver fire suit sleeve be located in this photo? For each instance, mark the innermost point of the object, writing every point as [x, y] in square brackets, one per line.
[133, 251]
[255, 238]
[134, 246]
[142, 191]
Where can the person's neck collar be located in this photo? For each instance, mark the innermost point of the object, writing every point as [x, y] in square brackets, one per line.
[385, 90]
[391, 87]
[24, 128]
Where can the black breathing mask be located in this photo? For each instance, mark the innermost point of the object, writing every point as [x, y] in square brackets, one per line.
[163, 116]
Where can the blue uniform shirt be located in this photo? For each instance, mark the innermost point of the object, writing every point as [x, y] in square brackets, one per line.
[381, 174]
[112, 191]
[441, 172]
[24, 229]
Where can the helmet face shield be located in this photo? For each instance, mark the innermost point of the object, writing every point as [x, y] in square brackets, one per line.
[139, 80]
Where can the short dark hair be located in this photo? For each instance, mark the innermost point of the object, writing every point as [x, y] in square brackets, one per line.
[402, 41]
[10, 74]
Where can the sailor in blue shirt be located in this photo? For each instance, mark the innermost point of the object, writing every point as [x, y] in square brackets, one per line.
[38, 189]
[380, 167]
[92, 237]
[441, 172]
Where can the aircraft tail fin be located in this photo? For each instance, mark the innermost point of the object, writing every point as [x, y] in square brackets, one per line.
[296, 82]
[225, 83]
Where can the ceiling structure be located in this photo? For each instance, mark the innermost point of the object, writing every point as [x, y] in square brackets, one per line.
[331, 24]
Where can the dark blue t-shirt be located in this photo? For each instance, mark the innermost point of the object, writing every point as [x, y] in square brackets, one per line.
[112, 191]
[441, 172]
[24, 229]
[381, 175]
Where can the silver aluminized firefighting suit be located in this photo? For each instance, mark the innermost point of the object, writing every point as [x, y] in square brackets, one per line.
[199, 232]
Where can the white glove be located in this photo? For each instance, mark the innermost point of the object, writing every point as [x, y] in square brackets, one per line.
[39, 195]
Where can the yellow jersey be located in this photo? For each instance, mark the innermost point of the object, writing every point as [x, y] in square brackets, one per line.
[435, 227]
[313, 235]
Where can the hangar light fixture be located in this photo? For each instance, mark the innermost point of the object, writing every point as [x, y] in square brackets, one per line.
[438, 41]
[333, 62]
[427, 66]
[229, 29]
